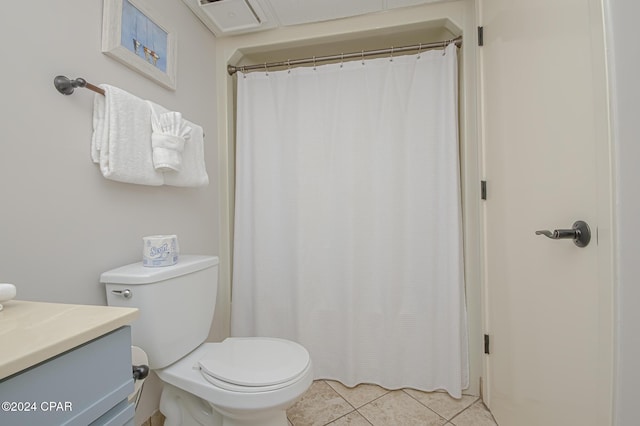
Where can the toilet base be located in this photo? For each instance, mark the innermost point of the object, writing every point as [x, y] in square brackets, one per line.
[271, 418]
[181, 408]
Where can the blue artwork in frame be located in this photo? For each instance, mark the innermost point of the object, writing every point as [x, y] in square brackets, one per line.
[143, 37]
[134, 34]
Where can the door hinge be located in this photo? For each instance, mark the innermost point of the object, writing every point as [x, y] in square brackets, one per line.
[486, 344]
[480, 36]
[483, 189]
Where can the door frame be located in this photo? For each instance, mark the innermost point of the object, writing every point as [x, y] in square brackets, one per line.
[623, 54]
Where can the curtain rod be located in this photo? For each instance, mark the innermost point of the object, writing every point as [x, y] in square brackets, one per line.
[419, 47]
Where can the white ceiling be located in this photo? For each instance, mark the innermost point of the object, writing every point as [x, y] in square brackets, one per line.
[229, 17]
[293, 12]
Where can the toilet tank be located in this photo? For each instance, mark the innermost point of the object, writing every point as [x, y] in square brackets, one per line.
[176, 304]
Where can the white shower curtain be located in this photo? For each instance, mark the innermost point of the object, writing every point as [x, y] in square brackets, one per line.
[348, 234]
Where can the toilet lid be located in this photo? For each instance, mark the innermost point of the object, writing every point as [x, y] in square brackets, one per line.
[255, 361]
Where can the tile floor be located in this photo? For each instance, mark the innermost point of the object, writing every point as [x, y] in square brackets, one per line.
[156, 420]
[331, 403]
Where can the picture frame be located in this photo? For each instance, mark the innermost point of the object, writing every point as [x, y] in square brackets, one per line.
[133, 34]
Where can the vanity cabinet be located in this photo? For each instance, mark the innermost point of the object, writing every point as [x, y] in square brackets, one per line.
[87, 385]
[65, 365]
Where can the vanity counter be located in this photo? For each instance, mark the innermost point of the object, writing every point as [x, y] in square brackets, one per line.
[33, 332]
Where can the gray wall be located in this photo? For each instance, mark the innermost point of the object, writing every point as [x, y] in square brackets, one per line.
[62, 223]
[624, 68]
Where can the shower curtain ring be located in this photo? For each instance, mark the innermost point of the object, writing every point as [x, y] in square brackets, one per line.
[363, 57]
[266, 70]
[448, 43]
[419, 50]
[289, 66]
[391, 56]
[341, 59]
[314, 63]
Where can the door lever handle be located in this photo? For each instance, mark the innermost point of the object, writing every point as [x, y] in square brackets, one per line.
[547, 234]
[579, 233]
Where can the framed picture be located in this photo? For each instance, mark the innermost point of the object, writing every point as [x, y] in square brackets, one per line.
[133, 34]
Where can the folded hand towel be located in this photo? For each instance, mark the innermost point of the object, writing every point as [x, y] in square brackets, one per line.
[194, 172]
[122, 138]
[167, 140]
[167, 151]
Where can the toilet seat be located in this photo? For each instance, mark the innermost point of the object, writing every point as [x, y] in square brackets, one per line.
[185, 374]
[253, 364]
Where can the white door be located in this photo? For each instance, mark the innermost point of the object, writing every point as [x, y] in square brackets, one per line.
[545, 136]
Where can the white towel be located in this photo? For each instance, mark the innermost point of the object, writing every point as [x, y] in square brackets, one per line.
[167, 151]
[169, 134]
[99, 127]
[121, 140]
[194, 171]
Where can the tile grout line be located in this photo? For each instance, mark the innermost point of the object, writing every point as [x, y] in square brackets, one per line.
[480, 401]
[376, 398]
[387, 392]
[355, 409]
[365, 419]
[341, 397]
[431, 409]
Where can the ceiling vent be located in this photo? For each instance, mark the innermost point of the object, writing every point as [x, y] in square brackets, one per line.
[224, 17]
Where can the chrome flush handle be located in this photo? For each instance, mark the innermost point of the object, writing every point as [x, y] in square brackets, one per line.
[579, 233]
[127, 294]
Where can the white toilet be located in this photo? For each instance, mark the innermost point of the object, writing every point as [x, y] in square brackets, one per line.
[239, 382]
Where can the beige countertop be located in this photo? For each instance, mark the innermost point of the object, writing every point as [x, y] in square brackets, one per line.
[32, 332]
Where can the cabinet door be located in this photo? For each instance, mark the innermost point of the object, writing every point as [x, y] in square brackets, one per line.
[77, 387]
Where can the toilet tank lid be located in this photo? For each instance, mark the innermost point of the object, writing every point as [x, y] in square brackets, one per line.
[135, 273]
